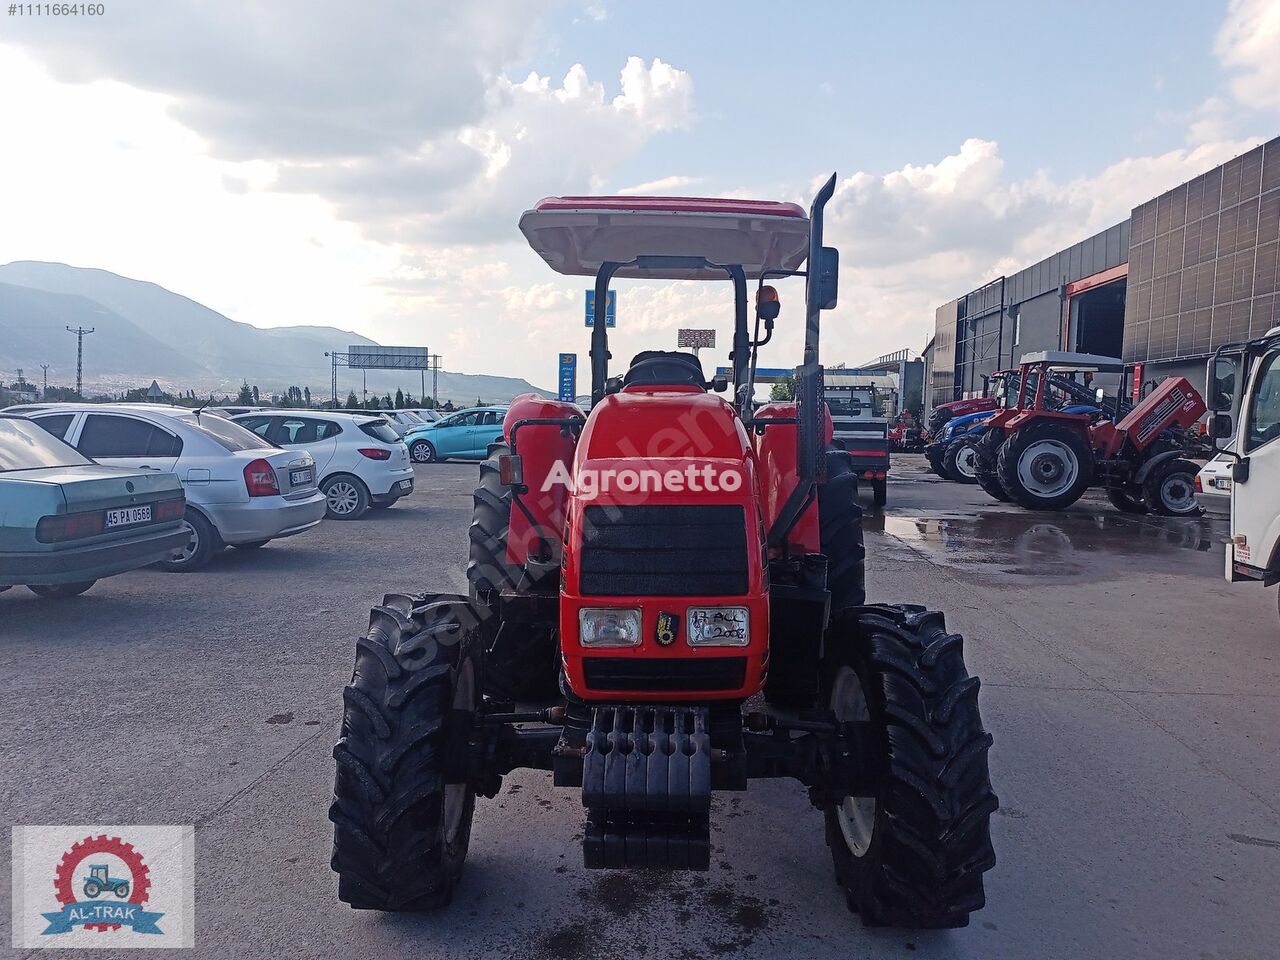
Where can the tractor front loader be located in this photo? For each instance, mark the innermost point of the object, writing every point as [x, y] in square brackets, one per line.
[637, 576]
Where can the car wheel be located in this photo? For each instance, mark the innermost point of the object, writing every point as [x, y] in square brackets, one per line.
[252, 545]
[346, 498]
[422, 452]
[203, 542]
[58, 590]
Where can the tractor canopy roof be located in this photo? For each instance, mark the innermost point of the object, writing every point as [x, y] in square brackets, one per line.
[575, 235]
[1064, 360]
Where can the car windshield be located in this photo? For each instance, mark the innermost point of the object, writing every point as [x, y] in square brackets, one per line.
[26, 446]
[226, 434]
[380, 430]
[410, 416]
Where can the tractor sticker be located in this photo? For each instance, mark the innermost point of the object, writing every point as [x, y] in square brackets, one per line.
[668, 627]
[85, 887]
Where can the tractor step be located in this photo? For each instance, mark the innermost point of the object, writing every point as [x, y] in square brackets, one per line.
[646, 785]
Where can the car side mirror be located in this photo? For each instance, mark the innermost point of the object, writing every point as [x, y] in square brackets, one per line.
[1221, 426]
[719, 383]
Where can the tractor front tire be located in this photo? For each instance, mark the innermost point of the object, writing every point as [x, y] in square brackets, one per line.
[912, 855]
[1126, 501]
[522, 657]
[1170, 489]
[984, 465]
[960, 463]
[1045, 466]
[402, 805]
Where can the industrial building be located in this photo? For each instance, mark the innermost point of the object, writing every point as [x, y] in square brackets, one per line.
[1188, 270]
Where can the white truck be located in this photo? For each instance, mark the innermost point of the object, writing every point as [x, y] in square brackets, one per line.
[1253, 552]
[860, 427]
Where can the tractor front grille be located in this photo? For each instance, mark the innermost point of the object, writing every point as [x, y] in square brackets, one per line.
[665, 675]
[682, 551]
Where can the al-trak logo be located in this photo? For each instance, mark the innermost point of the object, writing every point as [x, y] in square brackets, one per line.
[102, 884]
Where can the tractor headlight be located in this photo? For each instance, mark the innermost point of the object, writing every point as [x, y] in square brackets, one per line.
[609, 627]
[718, 626]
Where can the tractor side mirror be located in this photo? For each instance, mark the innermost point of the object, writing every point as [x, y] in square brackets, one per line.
[719, 383]
[827, 278]
[613, 385]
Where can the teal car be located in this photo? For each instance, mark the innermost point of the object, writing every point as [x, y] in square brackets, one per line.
[66, 522]
[464, 435]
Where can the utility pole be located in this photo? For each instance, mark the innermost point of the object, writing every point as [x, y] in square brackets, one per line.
[435, 371]
[80, 333]
[44, 392]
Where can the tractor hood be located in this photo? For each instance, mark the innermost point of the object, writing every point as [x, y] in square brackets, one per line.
[575, 235]
[660, 425]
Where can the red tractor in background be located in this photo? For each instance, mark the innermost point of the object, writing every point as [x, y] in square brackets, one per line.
[1044, 459]
[654, 566]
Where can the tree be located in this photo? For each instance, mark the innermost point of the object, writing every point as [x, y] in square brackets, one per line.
[256, 400]
[399, 398]
[352, 402]
[246, 395]
[784, 389]
[306, 396]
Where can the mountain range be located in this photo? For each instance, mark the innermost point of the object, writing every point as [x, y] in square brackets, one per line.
[143, 332]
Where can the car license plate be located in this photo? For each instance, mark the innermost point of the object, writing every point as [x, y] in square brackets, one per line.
[1222, 483]
[127, 515]
[406, 484]
[297, 477]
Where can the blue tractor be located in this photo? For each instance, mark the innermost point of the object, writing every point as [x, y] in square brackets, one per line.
[99, 880]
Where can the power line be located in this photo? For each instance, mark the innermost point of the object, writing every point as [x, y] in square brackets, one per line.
[45, 391]
[80, 333]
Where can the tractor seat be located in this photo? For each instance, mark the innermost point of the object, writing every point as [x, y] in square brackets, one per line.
[664, 368]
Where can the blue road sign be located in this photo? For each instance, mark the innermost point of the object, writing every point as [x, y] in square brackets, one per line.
[610, 309]
[568, 376]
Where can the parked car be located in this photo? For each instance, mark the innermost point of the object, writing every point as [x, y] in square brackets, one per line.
[241, 491]
[401, 421]
[1213, 484]
[425, 415]
[67, 522]
[464, 435]
[360, 462]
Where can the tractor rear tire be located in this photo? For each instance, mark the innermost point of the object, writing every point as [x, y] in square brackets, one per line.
[1170, 489]
[840, 533]
[1045, 466]
[402, 806]
[959, 463]
[795, 684]
[912, 855]
[521, 662]
[1126, 501]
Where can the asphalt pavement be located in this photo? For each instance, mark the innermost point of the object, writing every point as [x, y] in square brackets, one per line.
[1132, 693]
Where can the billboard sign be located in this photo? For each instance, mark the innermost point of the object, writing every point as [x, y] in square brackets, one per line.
[610, 309]
[568, 376]
[697, 339]
[364, 356]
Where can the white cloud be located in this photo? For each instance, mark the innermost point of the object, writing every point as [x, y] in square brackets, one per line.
[664, 185]
[1249, 45]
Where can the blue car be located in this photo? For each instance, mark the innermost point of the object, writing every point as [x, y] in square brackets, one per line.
[464, 435]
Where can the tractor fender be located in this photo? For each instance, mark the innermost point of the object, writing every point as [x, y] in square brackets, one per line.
[1145, 470]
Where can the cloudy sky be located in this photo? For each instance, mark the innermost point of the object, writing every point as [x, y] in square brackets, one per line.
[364, 165]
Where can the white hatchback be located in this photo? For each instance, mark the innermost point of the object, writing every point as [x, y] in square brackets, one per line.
[360, 461]
[241, 491]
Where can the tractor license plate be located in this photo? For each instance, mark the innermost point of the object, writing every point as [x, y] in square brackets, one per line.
[128, 515]
[299, 477]
[1222, 483]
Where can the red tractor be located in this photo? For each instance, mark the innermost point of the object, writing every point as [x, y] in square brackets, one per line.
[1044, 458]
[647, 570]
